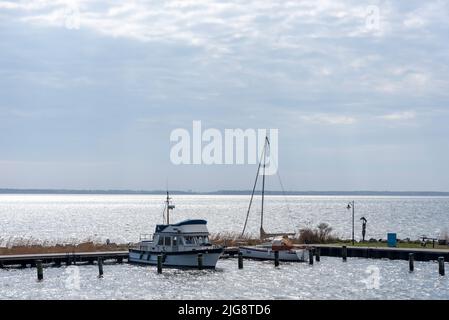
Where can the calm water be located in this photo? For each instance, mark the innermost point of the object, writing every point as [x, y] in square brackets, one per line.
[121, 218]
[329, 279]
[73, 218]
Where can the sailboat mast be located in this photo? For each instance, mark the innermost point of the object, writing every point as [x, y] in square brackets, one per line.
[263, 184]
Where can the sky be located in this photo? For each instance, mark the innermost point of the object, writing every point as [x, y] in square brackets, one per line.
[91, 90]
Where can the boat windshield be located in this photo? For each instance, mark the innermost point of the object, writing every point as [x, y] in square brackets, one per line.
[196, 240]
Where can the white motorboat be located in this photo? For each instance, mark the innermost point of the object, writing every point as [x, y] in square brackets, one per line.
[278, 241]
[179, 244]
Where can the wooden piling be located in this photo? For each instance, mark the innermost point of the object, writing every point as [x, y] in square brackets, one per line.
[68, 260]
[317, 254]
[441, 266]
[100, 267]
[159, 263]
[200, 261]
[40, 270]
[411, 262]
[344, 253]
[311, 256]
[276, 258]
[240, 259]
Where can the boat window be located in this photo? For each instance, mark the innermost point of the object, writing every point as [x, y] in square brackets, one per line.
[190, 240]
[180, 241]
[203, 239]
[175, 241]
[167, 241]
[161, 241]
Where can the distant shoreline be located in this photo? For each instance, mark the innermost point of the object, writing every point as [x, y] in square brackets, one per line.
[227, 192]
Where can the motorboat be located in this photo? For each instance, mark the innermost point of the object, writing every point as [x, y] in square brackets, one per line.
[179, 244]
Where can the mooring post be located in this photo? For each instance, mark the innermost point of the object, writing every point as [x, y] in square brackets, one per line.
[159, 263]
[40, 270]
[240, 259]
[311, 252]
[411, 261]
[441, 265]
[276, 258]
[344, 253]
[317, 254]
[100, 267]
[200, 261]
[68, 261]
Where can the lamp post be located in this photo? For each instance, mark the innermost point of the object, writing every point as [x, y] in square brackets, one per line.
[351, 206]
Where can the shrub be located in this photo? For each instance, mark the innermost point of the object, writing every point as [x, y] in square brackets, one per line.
[321, 234]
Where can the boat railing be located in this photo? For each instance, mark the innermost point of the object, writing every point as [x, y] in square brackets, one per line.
[146, 237]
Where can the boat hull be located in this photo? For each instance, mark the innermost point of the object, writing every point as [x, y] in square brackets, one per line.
[260, 253]
[180, 259]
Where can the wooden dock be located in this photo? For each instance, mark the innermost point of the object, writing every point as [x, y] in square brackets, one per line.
[57, 259]
[420, 254]
[29, 260]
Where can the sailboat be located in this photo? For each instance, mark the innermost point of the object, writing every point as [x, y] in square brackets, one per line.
[274, 241]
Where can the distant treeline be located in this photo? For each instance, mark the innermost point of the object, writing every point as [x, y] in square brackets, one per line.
[227, 192]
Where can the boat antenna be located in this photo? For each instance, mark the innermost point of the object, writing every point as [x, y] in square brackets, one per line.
[169, 207]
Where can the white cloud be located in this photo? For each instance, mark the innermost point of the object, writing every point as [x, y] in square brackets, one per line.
[399, 116]
[330, 119]
[414, 21]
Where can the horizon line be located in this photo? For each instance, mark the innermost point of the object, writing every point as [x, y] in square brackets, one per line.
[218, 192]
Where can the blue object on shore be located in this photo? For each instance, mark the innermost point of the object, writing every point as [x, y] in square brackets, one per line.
[391, 239]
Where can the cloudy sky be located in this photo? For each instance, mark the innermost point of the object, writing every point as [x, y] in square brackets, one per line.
[90, 91]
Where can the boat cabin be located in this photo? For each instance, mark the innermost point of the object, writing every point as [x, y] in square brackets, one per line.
[185, 235]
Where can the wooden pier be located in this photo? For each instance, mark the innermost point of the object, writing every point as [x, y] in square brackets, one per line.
[383, 252]
[57, 259]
